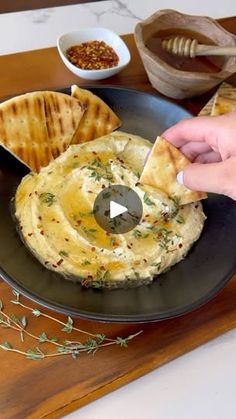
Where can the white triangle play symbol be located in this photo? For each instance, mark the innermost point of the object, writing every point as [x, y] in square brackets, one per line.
[116, 209]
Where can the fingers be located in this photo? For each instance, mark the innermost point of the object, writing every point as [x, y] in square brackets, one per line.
[209, 157]
[198, 129]
[191, 150]
[212, 177]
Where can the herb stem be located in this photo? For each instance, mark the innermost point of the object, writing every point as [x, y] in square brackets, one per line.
[19, 328]
[62, 323]
[8, 325]
[43, 355]
[66, 347]
[70, 351]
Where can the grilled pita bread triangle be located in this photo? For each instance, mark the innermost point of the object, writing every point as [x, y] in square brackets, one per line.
[160, 171]
[38, 126]
[23, 129]
[98, 120]
[225, 91]
[223, 105]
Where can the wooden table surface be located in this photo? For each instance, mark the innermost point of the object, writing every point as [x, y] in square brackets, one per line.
[53, 387]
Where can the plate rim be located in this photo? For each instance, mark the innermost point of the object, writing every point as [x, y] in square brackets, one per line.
[89, 86]
[119, 318]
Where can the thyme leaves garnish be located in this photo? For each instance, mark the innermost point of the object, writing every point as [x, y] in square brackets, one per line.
[164, 239]
[176, 200]
[96, 162]
[99, 171]
[86, 262]
[147, 200]
[73, 348]
[114, 222]
[85, 214]
[180, 220]
[138, 234]
[162, 236]
[90, 232]
[63, 253]
[106, 195]
[47, 198]
[68, 326]
[98, 280]
[95, 174]
[101, 277]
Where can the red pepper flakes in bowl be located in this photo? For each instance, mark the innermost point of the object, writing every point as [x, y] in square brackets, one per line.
[92, 55]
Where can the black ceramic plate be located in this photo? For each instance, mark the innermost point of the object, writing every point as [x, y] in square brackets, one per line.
[192, 282]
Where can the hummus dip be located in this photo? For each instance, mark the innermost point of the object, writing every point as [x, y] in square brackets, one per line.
[54, 212]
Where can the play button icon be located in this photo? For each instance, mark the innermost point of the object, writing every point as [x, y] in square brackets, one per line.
[117, 209]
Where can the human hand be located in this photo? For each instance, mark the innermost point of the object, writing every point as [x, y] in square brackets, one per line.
[210, 144]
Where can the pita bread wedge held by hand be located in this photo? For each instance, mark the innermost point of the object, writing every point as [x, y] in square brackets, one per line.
[98, 120]
[160, 171]
[37, 127]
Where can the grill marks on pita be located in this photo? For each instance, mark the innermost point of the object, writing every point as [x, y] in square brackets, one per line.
[98, 120]
[22, 128]
[37, 127]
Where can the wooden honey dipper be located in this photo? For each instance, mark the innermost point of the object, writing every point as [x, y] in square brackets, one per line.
[187, 47]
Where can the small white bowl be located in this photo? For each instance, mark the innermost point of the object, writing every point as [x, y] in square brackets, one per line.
[69, 39]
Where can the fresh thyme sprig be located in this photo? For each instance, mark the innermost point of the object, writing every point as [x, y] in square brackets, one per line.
[67, 347]
[47, 198]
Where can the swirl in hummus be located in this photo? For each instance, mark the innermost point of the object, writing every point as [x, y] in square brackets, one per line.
[54, 210]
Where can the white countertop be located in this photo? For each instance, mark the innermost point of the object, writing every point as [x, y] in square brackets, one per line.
[200, 384]
[34, 29]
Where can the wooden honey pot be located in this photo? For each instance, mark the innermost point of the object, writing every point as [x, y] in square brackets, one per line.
[180, 76]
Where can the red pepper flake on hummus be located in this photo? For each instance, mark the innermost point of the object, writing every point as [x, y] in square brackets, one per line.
[92, 55]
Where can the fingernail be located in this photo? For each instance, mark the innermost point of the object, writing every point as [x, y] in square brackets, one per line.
[145, 161]
[180, 177]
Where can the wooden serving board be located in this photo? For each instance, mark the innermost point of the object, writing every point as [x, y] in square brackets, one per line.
[53, 387]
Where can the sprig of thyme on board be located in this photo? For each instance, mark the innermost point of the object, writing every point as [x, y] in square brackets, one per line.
[66, 347]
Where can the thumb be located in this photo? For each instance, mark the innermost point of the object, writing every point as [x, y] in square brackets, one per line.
[213, 177]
